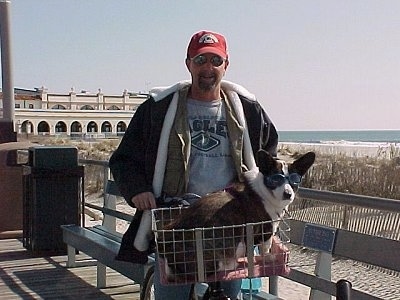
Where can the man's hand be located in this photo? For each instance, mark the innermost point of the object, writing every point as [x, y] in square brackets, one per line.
[144, 201]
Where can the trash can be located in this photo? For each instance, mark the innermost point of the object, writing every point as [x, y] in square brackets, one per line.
[12, 156]
[52, 193]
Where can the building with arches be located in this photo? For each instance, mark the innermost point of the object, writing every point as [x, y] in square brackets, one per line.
[38, 112]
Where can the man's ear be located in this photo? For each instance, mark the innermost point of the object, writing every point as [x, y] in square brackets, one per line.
[226, 63]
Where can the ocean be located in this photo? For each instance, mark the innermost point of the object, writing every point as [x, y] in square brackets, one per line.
[382, 143]
[341, 137]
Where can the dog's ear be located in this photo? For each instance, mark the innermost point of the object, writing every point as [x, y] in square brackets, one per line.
[265, 161]
[302, 164]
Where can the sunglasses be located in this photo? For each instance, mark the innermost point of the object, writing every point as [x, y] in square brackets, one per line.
[215, 60]
[277, 180]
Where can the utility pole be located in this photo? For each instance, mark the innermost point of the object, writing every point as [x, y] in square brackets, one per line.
[7, 133]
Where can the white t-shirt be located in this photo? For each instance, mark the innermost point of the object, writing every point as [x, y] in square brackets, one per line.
[211, 167]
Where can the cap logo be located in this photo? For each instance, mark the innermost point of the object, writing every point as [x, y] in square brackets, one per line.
[207, 42]
[208, 38]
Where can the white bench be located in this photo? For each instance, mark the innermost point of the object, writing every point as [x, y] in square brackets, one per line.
[102, 242]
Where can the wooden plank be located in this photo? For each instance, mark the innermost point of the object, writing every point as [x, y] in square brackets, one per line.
[25, 276]
[369, 249]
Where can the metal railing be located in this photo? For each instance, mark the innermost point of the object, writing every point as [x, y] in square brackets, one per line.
[369, 215]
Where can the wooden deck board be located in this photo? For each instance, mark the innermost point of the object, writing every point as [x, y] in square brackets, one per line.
[25, 276]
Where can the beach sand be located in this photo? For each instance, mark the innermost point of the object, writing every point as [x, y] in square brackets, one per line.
[288, 289]
[383, 150]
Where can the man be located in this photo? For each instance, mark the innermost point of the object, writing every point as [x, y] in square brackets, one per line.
[197, 137]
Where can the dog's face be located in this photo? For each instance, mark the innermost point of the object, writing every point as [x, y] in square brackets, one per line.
[280, 180]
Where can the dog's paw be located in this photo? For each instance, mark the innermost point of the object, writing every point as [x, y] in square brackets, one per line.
[240, 250]
[265, 248]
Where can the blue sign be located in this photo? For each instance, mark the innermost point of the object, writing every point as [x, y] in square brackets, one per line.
[319, 237]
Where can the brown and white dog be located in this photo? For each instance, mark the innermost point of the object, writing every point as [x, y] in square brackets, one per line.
[263, 196]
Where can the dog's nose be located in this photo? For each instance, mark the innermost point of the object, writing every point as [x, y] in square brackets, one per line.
[287, 195]
[288, 192]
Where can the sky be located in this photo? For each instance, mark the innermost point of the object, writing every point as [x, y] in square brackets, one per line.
[312, 64]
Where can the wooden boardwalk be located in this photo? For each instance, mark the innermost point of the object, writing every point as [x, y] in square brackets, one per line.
[25, 276]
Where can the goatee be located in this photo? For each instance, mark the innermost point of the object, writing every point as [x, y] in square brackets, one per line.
[207, 85]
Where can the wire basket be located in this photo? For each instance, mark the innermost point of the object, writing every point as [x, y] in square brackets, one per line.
[212, 253]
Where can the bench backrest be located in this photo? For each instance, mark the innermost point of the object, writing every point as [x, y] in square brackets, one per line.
[109, 208]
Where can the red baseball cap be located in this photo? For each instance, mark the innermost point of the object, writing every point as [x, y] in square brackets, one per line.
[207, 42]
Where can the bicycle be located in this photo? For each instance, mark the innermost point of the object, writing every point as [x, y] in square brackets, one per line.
[212, 292]
[202, 249]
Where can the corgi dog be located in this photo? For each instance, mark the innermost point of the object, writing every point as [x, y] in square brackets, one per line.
[263, 196]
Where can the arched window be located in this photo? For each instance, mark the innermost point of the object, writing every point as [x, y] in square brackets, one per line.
[113, 107]
[26, 127]
[87, 107]
[58, 106]
[76, 127]
[121, 128]
[43, 128]
[61, 127]
[106, 127]
[92, 127]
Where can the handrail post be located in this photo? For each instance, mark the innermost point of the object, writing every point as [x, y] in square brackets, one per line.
[110, 222]
[273, 285]
[323, 269]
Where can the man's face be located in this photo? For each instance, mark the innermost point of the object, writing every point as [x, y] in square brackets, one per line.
[206, 71]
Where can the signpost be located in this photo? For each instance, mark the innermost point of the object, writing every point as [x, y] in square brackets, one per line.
[322, 239]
